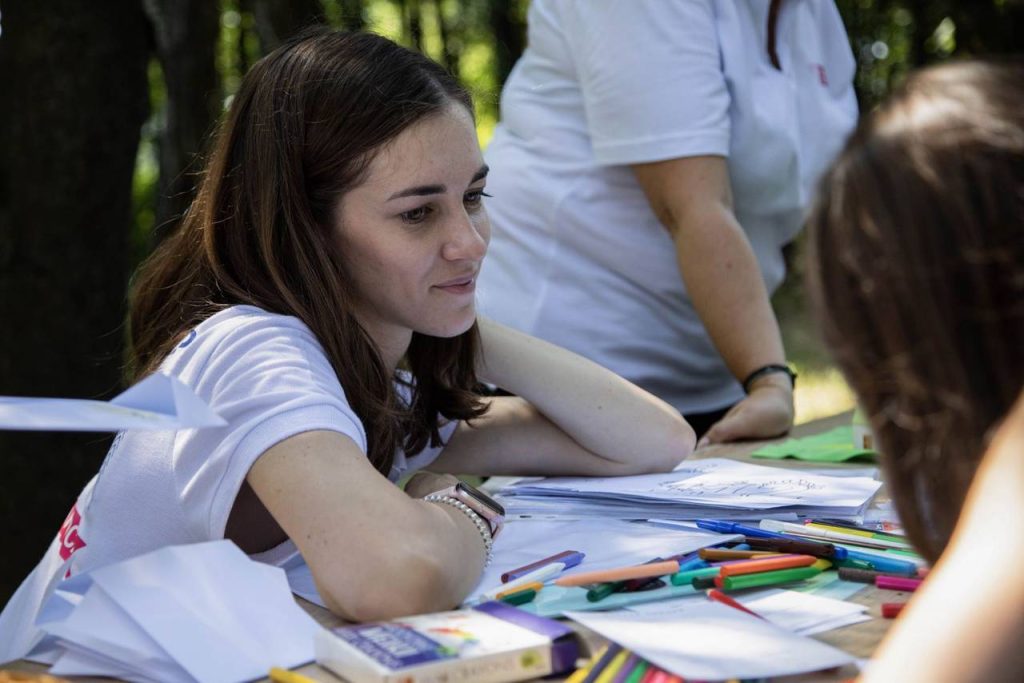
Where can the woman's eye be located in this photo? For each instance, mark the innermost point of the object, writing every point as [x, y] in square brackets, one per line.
[474, 198]
[417, 215]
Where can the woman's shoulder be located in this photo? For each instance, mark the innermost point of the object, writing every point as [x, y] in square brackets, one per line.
[244, 329]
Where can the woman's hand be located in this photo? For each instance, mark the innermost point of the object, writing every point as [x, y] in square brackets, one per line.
[766, 412]
[424, 483]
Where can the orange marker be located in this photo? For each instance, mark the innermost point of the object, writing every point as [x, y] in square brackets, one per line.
[640, 571]
[768, 564]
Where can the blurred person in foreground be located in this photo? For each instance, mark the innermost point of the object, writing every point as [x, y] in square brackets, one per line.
[917, 269]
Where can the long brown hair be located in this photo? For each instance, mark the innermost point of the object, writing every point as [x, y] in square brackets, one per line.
[299, 134]
[917, 273]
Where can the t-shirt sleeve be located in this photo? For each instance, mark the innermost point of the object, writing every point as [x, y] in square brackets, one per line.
[270, 380]
[651, 78]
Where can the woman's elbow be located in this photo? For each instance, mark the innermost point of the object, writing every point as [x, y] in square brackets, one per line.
[671, 446]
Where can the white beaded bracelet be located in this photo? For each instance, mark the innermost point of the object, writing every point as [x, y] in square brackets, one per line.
[481, 524]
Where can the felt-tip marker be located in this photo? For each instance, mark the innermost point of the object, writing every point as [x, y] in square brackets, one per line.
[755, 532]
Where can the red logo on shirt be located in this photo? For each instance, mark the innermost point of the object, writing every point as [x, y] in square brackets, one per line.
[822, 74]
[70, 541]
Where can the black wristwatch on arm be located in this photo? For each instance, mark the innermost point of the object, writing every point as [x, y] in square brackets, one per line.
[769, 369]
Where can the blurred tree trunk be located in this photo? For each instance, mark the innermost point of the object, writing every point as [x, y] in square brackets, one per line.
[449, 47]
[277, 20]
[509, 37]
[73, 78]
[412, 23]
[186, 37]
[988, 27]
[351, 15]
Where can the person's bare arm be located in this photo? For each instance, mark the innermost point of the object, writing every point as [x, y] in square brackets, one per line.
[375, 553]
[965, 624]
[692, 198]
[569, 416]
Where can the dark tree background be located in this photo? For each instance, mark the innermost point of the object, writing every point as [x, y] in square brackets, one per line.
[105, 109]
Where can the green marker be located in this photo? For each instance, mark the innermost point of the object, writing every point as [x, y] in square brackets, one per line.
[520, 598]
[855, 564]
[684, 578]
[732, 583]
[603, 590]
[637, 674]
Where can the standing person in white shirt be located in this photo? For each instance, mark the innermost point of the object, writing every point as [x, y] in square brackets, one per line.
[319, 295]
[652, 159]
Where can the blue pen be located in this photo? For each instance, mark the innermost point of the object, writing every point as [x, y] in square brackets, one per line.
[757, 532]
[694, 563]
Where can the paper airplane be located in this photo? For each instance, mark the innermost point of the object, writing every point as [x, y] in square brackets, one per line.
[204, 612]
[157, 402]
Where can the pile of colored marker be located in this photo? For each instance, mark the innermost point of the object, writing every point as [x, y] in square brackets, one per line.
[770, 554]
[521, 585]
[615, 664]
[851, 548]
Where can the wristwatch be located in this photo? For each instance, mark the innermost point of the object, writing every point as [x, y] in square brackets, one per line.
[479, 502]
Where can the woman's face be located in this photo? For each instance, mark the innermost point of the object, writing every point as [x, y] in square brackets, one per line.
[414, 233]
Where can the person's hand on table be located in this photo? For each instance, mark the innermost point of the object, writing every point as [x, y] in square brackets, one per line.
[766, 412]
[424, 483]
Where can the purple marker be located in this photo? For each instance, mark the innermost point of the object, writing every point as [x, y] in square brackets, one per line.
[570, 558]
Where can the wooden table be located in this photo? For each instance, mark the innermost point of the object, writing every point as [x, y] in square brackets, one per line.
[859, 640]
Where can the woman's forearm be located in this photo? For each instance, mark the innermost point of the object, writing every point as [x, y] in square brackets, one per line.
[602, 412]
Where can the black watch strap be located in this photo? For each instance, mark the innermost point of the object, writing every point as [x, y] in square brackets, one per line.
[768, 370]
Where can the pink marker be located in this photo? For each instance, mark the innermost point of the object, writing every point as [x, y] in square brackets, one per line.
[897, 583]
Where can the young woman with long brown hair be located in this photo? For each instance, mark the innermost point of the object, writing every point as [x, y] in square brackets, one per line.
[917, 267]
[319, 295]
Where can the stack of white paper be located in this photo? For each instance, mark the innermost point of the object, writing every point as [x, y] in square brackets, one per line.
[202, 612]
[708, 641]
[716, 487]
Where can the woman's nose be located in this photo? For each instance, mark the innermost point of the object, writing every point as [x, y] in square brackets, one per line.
[466, 239]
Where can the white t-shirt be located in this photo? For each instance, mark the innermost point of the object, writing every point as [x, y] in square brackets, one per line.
[266, 375]
[577, 255]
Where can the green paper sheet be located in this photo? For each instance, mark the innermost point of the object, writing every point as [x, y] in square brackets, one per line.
[835, 445]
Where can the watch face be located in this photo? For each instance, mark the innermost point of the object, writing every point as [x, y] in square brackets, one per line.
[481, 497]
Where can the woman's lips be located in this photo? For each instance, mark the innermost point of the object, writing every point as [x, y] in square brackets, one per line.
[462, 285]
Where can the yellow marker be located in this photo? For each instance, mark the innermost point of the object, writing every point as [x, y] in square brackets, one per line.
[613, 668]
[533, 586]
[579, 674]
[840, 529]
[279, 675]
[822, 564]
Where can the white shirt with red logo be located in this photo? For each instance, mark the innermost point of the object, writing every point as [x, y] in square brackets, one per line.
[577, 256]
[266, 375]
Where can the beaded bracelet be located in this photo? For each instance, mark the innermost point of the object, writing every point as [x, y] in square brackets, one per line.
[481, 524]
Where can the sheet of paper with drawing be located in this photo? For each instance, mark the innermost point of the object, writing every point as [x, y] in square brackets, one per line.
[714, 487]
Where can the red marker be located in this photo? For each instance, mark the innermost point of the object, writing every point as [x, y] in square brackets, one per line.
[719, 596]
[891, 610]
